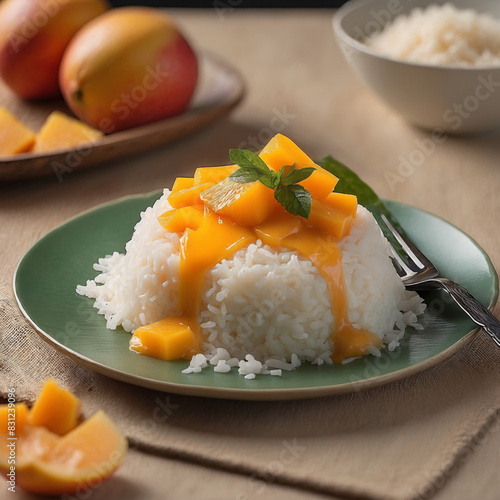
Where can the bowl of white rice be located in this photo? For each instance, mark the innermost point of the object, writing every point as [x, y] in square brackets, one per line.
[435, 63]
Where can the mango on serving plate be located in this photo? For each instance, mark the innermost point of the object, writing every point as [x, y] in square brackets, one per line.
[128, 67]
[15, 137]
[60, 131]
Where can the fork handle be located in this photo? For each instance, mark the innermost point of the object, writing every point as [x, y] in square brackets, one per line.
[474, 309]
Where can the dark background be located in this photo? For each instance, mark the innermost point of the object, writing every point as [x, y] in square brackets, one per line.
[240, 4]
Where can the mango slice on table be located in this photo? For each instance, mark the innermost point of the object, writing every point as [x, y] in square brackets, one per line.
[56, 409]
[15, 137]
[62, 132]
[281, 151]
[53, 464]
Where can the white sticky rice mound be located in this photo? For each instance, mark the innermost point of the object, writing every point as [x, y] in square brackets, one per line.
[264, 309]
[441, 35]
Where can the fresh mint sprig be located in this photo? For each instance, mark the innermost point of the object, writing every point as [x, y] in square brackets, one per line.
[287, 192]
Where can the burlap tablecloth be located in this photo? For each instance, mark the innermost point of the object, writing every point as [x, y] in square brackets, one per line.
[433, 435]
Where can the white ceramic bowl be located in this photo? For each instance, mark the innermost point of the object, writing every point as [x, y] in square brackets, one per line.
[455, 100]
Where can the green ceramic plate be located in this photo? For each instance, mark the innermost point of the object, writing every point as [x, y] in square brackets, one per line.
[47, 276]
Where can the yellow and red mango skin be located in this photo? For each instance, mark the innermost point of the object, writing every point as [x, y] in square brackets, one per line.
[33, 37]
[129, 67]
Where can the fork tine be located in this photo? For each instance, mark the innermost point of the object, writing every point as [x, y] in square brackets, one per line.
[418, 258]
[400, 265]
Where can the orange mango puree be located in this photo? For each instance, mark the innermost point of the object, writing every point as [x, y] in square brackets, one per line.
[216, 223]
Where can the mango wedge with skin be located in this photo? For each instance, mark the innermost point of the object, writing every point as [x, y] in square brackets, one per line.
[54, 463]
[49, 464]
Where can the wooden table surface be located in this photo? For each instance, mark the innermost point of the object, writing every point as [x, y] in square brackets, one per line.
[298, 84]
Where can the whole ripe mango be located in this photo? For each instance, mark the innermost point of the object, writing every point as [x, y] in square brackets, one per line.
[128, 67]
[33, 37]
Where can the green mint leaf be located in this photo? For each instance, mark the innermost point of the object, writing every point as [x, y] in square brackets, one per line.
[269, 180]
[295, 176]
[296, 199]
[245, 174]
[279, 176]
[245, 158]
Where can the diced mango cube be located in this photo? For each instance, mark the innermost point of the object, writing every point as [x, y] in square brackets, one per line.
[188, 197]
[62, 132]
[281, 151]
[212, 174]
[56, 409]
[330, 220]
[182, 183]
[179, 219]
[15, 137]
[345, 203]
[247, 204]
[168, 339]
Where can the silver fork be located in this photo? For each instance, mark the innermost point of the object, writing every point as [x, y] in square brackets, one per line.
[418, 273]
